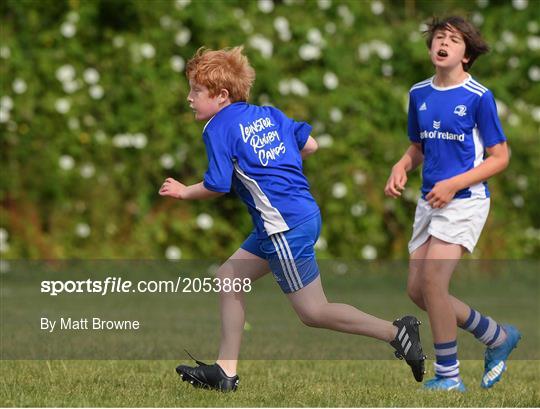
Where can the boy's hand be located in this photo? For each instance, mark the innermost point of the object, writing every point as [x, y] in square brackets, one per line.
[172, 188]
[441, 194]
[396, 182]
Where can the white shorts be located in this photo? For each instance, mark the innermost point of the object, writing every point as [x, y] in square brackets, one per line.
[460, 222]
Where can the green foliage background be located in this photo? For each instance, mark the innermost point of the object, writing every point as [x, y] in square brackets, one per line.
[67, 189]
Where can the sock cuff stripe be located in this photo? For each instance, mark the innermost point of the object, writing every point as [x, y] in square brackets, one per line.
[445, 345]
[440, 352]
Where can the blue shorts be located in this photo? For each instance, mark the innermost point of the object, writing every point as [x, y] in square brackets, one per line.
[291, 254]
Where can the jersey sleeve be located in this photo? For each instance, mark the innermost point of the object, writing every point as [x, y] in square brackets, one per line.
[412, 123]
[488, 121]
[218, 177]
[301, 130]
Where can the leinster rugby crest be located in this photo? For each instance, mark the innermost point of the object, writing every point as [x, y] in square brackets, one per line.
[460, 110]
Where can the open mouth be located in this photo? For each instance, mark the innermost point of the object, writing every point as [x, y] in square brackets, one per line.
[442, 53]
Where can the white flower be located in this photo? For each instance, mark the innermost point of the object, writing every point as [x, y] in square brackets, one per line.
[82, 230]
[167, 161]
[147, 50]
[238, 13]
[298, 87]
[330, 80]
[74, 124]
[358, 209]
[321, 243]
[502, 108]
[68, 29]
[166, 21]
[3, 234]
[121, 140]
[482, 3]
[284, 87]
[246, 26]
[359, 177]
[309, 52]
[535, 113]
[478, 19]
[339, 190]
[336, 115]
[513, 62]
[5, 52]
[324, 4]
[387, 70]
[346, 15]
[325, 141]
[341, 268]
[96, 91]
[508, 37]
[513, 120]
[520, 4]
[66, 162]
[177, 63]
[533, 42]
[266, 6]
[263, 44]
[70, 87]
[534, 73]
[414, 36]
[72, 17]
[518, 201]
[182, 37]
[88, 170]
[62, 105]
[4, 246]
[383, 50]
[522, 182]
[118, 41]
[533, 27]
[369, 252]
[330, 28]
[91, 75]
[180, 4]
[100, 136]
[281, 24]
[6, 103]
[422, 27]
[315, 37]
[173, 253]
[139, 140]
[377, 7]
[364, 52]
[4, 115]
[205, 221]
[19, 86]
[65, 73]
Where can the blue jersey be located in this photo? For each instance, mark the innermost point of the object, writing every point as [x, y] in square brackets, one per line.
[256, 150]
[454, 126]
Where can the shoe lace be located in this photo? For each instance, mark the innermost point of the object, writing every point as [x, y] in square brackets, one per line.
[200, 363]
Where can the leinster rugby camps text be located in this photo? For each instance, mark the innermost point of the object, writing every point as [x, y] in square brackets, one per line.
[117, 285]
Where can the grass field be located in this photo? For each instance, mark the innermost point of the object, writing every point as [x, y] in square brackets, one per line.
[284, 363]
[263, 383]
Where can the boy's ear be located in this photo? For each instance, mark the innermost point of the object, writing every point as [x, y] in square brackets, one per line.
[223, 95]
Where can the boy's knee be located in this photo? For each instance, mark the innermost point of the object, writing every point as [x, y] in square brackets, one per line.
[416, 296]
[310, 319]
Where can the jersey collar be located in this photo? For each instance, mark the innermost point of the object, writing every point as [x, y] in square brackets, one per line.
[451, 86]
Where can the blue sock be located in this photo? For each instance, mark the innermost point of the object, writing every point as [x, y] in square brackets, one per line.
[447, 364]
[485, 329]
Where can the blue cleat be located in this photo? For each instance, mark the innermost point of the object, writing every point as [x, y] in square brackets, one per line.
[495, 358]
[445, 384]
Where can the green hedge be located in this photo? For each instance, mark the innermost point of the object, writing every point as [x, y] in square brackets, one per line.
[83, 155]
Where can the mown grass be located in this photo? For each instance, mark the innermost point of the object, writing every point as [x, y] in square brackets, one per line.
[263, 384]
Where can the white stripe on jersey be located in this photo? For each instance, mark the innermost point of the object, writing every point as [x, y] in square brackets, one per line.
[473, 82]
[477, 92]
[421, 84]
[478, 190]
[479, 88]
[272, 218]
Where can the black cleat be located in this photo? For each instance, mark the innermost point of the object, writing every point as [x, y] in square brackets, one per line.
[407, 345]
[208, 377]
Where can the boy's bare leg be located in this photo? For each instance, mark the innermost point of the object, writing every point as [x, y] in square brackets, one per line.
[439, 264]
[314, 310]
[414, 284]
[242, 264]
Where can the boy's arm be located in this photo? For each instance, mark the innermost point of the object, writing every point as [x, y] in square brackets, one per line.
[445, 190]
[309, 148]
[412, 158]
[173, 188]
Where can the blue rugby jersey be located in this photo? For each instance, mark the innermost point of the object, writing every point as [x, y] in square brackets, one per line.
[256, 150]
[454, 125]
